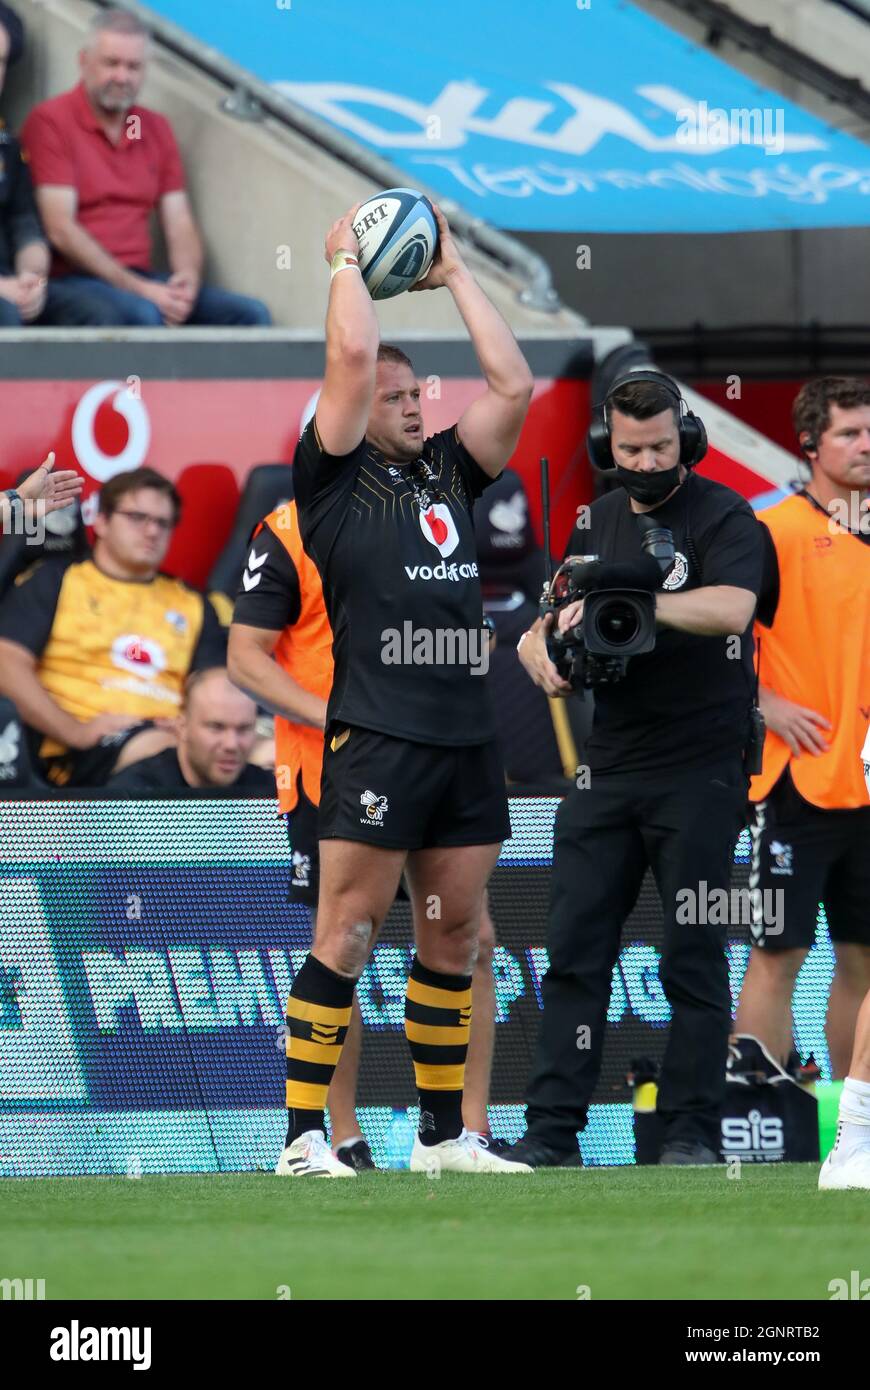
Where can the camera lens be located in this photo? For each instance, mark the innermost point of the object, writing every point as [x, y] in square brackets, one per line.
[617, 623]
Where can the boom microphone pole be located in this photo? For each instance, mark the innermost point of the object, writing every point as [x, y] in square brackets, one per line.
[545, 508]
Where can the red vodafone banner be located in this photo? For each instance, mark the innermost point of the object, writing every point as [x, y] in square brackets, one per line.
[205, 417]
[204, 435]
[206, 413]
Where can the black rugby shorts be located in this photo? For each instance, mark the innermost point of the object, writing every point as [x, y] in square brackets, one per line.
[812, 856]
[397, 794]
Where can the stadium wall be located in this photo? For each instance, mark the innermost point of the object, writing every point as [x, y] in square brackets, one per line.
[146, 953]
[788, 277]
[264, 196]
[205, 407]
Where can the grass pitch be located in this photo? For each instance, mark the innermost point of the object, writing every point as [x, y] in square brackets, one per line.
[627, 1233]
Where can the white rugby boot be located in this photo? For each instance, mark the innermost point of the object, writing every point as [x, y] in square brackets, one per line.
[469, 1153]
[310, 1156]
[838, 1174]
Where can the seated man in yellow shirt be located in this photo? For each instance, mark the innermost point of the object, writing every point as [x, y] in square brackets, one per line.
[94, 654]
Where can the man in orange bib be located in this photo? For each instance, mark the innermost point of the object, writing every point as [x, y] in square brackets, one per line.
[811, 838]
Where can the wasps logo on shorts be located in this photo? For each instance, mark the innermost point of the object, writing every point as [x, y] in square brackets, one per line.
[375, 805]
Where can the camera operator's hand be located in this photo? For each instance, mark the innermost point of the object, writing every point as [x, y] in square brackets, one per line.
[570, 615]
[795, 725]
[532, 652]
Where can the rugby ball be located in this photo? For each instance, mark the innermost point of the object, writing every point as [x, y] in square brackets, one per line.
[398, 236]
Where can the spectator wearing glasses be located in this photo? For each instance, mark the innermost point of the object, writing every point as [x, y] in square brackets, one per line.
[101, 166]
[94, 654]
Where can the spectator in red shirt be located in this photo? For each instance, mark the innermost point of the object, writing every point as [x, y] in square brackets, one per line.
[101, 165]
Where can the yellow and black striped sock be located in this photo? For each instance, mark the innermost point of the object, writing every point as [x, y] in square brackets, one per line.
[318, 1014]
[437, 1024]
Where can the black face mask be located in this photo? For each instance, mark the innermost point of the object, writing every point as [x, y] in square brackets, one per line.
[648, 487]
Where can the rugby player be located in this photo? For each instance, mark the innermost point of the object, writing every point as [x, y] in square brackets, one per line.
[280, 652]
[412, 778]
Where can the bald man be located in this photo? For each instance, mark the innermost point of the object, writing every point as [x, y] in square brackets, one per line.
[216, 733]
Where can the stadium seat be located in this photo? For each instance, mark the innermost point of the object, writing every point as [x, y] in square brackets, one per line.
[209, 503]
[510, 558]
[17, 742]
[267, 486]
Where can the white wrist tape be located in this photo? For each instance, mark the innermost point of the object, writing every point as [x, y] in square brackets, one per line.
[342, 260]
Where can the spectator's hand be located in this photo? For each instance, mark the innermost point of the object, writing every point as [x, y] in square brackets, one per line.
[90, 732]
[174, 306]
[32, 290]
[10, 289]
[796, 726]
[186, 284]
[447, 259]
[56, 490]
[533, 656]
[341, 235]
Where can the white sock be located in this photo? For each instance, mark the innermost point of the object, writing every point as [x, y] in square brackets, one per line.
[348, 1143]
[855, 1101]
[853, 1127]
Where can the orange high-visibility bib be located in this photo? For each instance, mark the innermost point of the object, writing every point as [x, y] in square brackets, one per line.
[304, 651]
[817, 653]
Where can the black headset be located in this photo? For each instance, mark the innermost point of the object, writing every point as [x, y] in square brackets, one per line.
[693, 436]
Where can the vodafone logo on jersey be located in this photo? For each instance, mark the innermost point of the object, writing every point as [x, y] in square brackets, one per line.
[439, 528]
[139, 655]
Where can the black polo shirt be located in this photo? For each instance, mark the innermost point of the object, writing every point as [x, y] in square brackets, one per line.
[687, 702]
[390, 563]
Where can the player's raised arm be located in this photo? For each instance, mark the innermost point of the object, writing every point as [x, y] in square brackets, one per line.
[351, 345]
[490, 427]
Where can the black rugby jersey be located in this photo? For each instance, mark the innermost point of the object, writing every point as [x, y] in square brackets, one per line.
[400, 581]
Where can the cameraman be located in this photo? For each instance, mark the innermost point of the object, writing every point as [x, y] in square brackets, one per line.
[667, 780]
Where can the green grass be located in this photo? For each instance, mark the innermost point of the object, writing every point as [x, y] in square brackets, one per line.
[626, 1233]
